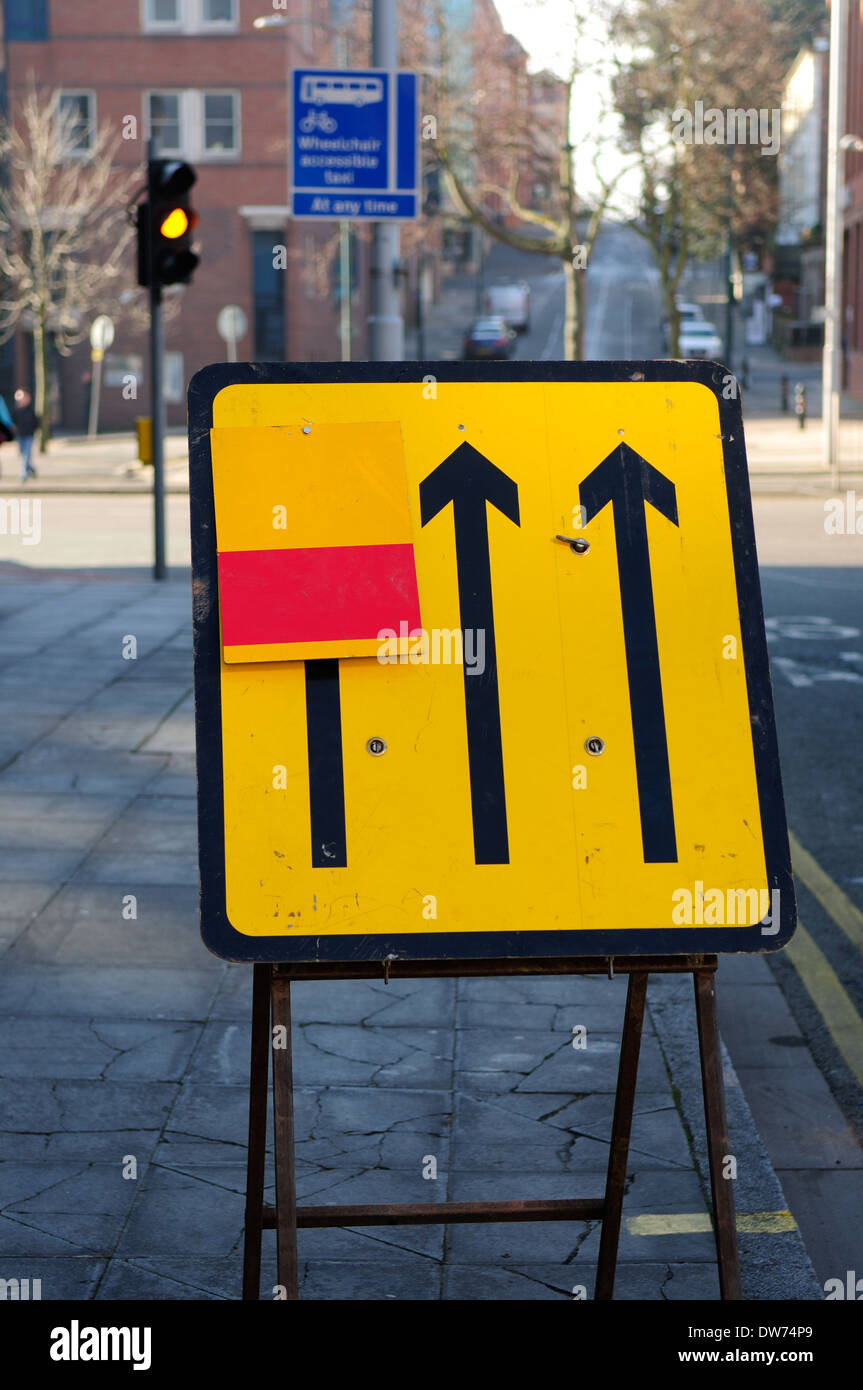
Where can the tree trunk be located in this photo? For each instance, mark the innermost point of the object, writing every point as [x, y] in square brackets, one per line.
[570, 311]
[672, 314]
[40, 364]
[580, 278]
[574, 311]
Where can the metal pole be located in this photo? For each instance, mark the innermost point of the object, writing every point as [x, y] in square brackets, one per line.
[345, 325]
[95, 391]
[479, 283]
[831, 366]
[420, 312]
[729, 266]
[157, 403]
[386, 330]
[345, 290]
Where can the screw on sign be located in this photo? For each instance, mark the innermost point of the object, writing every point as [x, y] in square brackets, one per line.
[458, 515]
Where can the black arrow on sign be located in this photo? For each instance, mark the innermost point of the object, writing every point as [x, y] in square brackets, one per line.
[469, 480]
[629, 482]
[326, 771]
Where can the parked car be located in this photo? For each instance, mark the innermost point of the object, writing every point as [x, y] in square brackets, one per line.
[689, 312]
[488, 337]
[512, 302]
[699, 339]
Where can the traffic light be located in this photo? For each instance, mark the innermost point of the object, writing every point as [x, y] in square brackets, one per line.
[166, 223]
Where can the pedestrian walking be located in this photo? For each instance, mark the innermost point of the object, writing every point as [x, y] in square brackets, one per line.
[7, 428]
[26, 424]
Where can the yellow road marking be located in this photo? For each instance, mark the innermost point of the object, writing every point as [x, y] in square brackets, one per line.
[830, 998]
[693, 1223]
[836, 903]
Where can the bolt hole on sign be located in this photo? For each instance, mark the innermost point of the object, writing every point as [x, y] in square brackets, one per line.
[480, 664]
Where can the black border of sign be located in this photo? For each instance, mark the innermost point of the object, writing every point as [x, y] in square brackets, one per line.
[218, 933]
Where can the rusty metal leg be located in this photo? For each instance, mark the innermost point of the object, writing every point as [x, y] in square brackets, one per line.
[721, 1189]
[283, 1137]
[258, 1076]
[621, 1128]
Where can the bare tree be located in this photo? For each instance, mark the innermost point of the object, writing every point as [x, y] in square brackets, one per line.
[486, 145]
[696, 195]
[65, 235]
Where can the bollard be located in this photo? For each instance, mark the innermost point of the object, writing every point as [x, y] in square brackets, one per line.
[744, 373]
[783, 387]
[144, 432]
[800, 403]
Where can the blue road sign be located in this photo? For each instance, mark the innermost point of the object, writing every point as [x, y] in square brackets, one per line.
[354, 144]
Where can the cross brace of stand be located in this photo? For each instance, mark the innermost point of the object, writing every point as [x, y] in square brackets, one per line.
[271, 1010]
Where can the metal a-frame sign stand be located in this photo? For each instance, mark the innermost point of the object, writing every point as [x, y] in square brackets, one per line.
[279, 960]
[271, 1008]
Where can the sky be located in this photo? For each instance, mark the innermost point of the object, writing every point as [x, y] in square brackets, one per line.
[542, 27]
[538, 25]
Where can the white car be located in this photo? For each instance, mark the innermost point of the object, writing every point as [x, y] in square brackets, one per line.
[512, 302]
[699, 339]
[689, 312]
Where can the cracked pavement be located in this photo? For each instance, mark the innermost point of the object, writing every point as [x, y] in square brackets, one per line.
[124, 1045]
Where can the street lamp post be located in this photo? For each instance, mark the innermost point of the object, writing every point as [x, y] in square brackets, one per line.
[386, 330]
[275, 21]
[830, 370]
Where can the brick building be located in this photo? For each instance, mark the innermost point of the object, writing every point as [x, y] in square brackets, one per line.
[798, 263]
[212, 88]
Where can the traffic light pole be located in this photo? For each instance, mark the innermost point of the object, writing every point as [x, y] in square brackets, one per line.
[157, 407]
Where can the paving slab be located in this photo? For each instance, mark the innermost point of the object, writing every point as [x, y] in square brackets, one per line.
[124, 1038]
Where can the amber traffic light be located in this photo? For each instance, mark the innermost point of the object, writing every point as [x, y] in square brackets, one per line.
[166, 223]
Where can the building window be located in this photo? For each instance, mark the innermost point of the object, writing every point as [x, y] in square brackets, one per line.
[220, 123]
[219, 12]
[197, 125]
[164, 122]
[76, 112]
[189, 16]
[163, 14]
[26, 21]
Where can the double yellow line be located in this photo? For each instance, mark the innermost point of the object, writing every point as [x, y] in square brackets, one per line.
[835, 1006]
[820, 980]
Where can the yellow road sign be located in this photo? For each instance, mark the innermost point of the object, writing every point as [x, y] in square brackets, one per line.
[480, 664]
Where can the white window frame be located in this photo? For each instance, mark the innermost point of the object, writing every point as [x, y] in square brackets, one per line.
[192, 123]
[150, 25]
[174, 377]
[93, 124]
[215, 26]
[181, 151]
[204, 153]
[190, 19]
